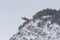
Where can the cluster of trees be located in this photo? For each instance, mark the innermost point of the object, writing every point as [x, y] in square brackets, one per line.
[46, 12]
[53, 12]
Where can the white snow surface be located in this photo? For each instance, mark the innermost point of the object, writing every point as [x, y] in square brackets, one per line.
[31, 31]
[47, 16]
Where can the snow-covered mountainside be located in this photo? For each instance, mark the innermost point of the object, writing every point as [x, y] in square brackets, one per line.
[45, 25]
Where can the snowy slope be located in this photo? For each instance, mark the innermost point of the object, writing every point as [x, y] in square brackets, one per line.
[39, 29]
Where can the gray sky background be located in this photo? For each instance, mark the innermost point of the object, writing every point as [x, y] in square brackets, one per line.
[11, 12]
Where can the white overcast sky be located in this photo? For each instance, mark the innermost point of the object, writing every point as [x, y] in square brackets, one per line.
[11, 12]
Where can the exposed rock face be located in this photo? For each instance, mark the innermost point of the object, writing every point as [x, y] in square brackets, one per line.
[45, 25]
